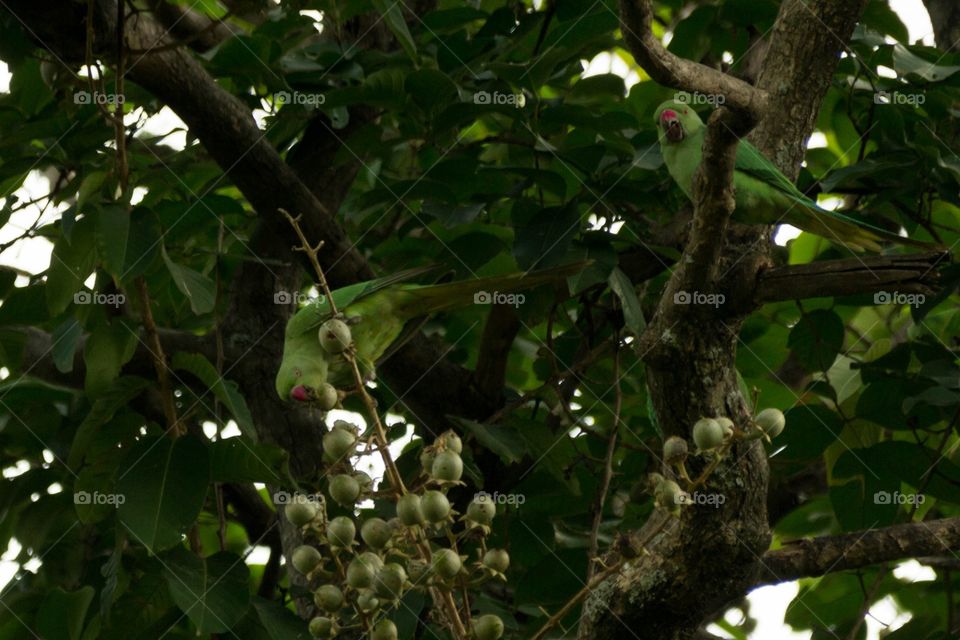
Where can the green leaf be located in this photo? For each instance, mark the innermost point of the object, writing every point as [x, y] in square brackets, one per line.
[120, 393]
[907, 63]
[226, 391]
[199, 289]
[62, 613]
[393, 15]
[543, 235]
[70, 264]
[817, 339]
[503, 441]
[113, 228]
[279, 622]
[66, 338]
[90, 185]
[212, 591]
[235, 460]
[163, 483]
[106, 350]
[632, 312]
[430, 88]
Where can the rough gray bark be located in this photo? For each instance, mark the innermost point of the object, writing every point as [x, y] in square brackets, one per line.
[691, 352]
[816, 557]
[945, 18]
[913, 273]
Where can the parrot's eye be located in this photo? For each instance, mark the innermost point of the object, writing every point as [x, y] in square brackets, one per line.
[297, 373]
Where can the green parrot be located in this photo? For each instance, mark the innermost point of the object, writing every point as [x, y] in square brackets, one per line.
[763, 194]
[377, 312]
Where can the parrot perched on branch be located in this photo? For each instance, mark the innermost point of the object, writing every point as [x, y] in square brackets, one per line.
[763, 194]
[377, 311]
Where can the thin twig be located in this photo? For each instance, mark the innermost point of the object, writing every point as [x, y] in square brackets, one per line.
[607, 465]
[443, 597]
[592, 584]
[159, 361]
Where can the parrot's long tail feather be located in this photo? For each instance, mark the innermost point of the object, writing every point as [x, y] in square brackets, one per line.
[856, 236]
[488, 290]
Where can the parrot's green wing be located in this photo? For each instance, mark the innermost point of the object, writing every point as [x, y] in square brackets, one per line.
[314, 314]
[805, 213]
[749, 160]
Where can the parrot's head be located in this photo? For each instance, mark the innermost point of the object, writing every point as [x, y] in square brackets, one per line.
[676, 120]
[299, 379]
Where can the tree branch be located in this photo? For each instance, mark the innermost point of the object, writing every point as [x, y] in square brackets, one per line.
[672, 71]
[829, 554]
[913, 273]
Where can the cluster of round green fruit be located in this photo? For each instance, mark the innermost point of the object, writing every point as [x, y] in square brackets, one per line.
[712, 437]
[335, 339]
[356, 583]
[712, 434]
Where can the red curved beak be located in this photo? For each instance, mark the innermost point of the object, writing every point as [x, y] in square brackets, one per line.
[670, 124]
[300, 393]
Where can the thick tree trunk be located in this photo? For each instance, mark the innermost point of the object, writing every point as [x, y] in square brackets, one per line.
[709, 556]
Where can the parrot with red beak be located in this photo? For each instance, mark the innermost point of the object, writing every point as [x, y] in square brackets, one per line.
[763, 194]
[377, 312]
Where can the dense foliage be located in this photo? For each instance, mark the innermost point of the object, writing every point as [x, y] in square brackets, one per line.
[478, 144]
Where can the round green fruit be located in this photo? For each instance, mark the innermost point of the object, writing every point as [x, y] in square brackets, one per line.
[339, 443]
[368, 601]
[321, 627]
[384, 630]
[488, 627]
[335, 336]
[389, 581]
[327, 397]
[361, 571]
[447, 467]
[497, 560]
[436, 507]
[376, 533]
[409, 510]
[344, 489]
[446, 563]
[481, 509]
[341, 532]
[669, 494]
[451, 442]
[300, 513]
[427, 456]
[305, 559]
[329, 598]
[771, 422]
[675, 450]
[364, 480]
[727, 425]
[707, 434]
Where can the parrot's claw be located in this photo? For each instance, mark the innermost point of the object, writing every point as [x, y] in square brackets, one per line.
[353, 320]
